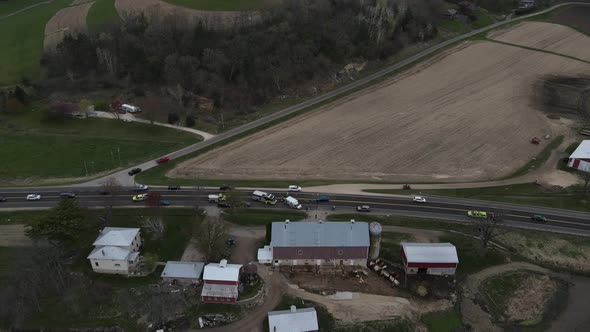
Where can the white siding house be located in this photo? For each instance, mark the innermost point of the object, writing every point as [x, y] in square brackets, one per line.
[116, 250]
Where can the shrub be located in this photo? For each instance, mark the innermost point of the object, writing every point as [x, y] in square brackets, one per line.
[173, 118]
[190, 121]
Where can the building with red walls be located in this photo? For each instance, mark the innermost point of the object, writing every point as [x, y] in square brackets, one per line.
[221, 282]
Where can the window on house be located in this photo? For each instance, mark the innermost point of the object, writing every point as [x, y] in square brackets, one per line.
[95, 263]
[117, 264]
[340, 252]
[300, 252]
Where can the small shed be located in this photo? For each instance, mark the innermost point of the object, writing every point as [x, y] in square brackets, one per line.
[184, 273]
[265, 255]
[293, 320]
[429, 258]
[580, 158]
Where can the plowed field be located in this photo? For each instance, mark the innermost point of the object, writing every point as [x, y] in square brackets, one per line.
[70, 20]
[547, 36]
[464, 115]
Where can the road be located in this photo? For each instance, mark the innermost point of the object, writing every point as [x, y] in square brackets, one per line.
[451, 209]
[122, 177]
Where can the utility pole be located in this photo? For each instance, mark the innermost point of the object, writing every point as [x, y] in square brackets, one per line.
[85, 168]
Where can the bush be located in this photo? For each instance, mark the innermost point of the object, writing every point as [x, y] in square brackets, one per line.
[190, 121]
[102, 106]
[173, 118]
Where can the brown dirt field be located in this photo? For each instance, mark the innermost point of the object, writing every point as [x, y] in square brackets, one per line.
[575, 16]
[70, 20]
[14, 236]
[470, 103]
[157, 8]
[547, 36]
[529, 300]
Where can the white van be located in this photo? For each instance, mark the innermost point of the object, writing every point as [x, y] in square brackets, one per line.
[292, 202]
[130, 108]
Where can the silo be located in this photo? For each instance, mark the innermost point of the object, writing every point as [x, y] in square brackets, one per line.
[375, 230]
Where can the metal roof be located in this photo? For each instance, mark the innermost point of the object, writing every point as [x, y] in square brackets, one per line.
[109, 252]
[430, 252]
[187, 270]
[116, 236]
[294, 320]
[222, 271]
[213, 290]
[320, 234]
[582, 151]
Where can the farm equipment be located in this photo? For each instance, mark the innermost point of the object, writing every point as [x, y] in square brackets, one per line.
[535, 140]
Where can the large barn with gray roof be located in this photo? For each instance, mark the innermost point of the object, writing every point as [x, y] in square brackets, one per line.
[318, 243]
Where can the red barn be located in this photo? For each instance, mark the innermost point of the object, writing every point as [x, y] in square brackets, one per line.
[221, 281]
[580, 159]
[429, 258]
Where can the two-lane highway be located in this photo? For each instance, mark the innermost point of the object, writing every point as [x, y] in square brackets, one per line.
[455, 209]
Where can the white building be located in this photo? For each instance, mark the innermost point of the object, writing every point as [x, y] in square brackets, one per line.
[580, 159]
[222, 282]
[116, 250]
[294, 320]
[429, 258]
[185, 273]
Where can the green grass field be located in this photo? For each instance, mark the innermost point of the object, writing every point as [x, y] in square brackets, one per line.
[224, 4]
[444, 321]
[11, 6]
[101, 12]
[247, 216]
[21, 41]
[34, 148]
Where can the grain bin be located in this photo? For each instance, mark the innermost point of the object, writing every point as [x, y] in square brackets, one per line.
[375, 230]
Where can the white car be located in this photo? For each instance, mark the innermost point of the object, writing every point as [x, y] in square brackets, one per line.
[294, 188]
[140, 187]
[419, 199]
[33, 197]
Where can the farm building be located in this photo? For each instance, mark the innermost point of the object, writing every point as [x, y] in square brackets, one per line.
[318, 243]
[294, 320]
[429, 258]
[580, 159]
[116, 250]
[184, 273]
[221, 282]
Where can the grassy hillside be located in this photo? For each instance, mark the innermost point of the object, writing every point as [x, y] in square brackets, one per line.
[34, 148]
[224, 4]
[21, 40]
[102, 11]
[11, 6]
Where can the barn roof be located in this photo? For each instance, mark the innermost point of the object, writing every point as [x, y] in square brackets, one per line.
[294, 320]
[583, 151]
[430, 252]
[320, 234]
[116, 236]
[222, 271]
[109, 252]
[187, 270]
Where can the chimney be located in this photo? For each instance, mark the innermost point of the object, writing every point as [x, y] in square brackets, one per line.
[319, 221]
[352, 221]
[223, 263]
[293, 308]
[102, 252]
[287, 221]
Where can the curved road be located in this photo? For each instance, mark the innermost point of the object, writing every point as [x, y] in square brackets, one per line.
[450, 209]
[126, 180]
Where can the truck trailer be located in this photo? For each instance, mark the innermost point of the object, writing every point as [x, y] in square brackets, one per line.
[216, 198]
[293, 202]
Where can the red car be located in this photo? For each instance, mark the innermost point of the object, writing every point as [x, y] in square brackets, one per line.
[163, 160]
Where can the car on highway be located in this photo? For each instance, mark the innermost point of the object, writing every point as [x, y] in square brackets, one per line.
[173, 187]
[419, 199]
[538, 217]
[134, 171]
[140, 187]
[322, 198]
[67, 194]
[477, 214]
[163, 160]
[104, 192]
[294, 188]
[2, 199]
[140, 197]
[222, 204]
[165, 203]
[363, 208]
[225, 187]
[33, 197]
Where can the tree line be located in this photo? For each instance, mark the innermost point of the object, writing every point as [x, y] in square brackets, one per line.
[244, 65]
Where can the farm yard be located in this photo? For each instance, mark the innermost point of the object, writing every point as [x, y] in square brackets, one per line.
[548, 37]
[442, 120]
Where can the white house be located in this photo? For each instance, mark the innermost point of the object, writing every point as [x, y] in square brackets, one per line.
[294, 320]
[116, 250]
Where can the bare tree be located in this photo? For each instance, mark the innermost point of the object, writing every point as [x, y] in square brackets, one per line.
[153, 222]
[109, 188]
[233, 199]
[211, 235]
[490, 228]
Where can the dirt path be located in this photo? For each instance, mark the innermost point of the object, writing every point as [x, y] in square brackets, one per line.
[159, 9]
[70, 20]
[575, 315]
[14, 236]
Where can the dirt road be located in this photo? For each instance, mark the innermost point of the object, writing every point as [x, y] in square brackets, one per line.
[432, 123]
